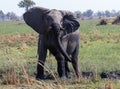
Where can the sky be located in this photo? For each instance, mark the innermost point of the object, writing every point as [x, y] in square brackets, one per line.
[72, 5]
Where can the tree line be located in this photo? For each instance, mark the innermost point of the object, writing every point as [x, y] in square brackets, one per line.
[8, 16]
[88, 14]
[11, 15]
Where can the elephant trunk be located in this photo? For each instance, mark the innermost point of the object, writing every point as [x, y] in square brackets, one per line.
[56, 28]
[62, 49]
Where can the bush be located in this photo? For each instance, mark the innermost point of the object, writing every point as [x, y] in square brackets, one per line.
[103, 22]
[117, 20]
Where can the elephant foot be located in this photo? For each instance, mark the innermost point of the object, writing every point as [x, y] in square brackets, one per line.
[42, 77]
[45, 77]
[63, 77]
[49, 76]
[70, 75]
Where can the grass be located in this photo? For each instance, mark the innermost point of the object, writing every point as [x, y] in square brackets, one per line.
[102, 54]
[14, 27]
[90, 25]
[18, 53]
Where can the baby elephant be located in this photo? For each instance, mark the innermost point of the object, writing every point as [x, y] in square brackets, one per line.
[58, 32]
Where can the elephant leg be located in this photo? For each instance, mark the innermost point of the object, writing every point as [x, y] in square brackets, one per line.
[61, 69]
[75, 61]
[42, 51]
[60, 61]
[67, 70]
[61, 66]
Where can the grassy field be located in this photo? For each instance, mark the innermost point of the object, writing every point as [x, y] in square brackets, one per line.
[99, 51]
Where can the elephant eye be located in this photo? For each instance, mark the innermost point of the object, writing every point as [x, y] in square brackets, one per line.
[48, 18]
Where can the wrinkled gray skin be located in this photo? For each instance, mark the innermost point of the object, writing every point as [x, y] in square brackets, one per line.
[58, 32]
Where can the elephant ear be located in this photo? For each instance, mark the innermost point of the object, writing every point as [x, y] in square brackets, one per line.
[70, 23]
[35, 18]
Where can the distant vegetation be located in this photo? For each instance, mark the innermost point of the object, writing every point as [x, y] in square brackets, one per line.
[11, 15]
[108, 21]
[88, 14]
[8, 16]
[26, 4]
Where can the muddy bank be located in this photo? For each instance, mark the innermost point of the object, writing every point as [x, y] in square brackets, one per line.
[103, 75]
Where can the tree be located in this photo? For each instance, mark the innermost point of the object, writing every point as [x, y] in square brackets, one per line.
[88, 13]
[78, 14]
[26, 4]
[1, 15]
[113, 13]
[99, 14]
[107, 13]
[11, 16]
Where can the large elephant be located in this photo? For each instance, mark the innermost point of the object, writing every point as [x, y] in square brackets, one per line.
[58, 32]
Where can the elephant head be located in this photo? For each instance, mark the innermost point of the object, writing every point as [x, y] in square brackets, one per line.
[43, 20]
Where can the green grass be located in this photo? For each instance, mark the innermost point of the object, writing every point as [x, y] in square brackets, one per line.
[90, 25]
[101, 54]
[99, 47]
[14, 27]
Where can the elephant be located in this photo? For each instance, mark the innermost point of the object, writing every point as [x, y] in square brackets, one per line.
[58, 32]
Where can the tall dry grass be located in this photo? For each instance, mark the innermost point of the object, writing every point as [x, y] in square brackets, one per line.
[15, 77]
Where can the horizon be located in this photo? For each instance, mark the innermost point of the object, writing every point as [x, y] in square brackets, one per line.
[81, 5]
